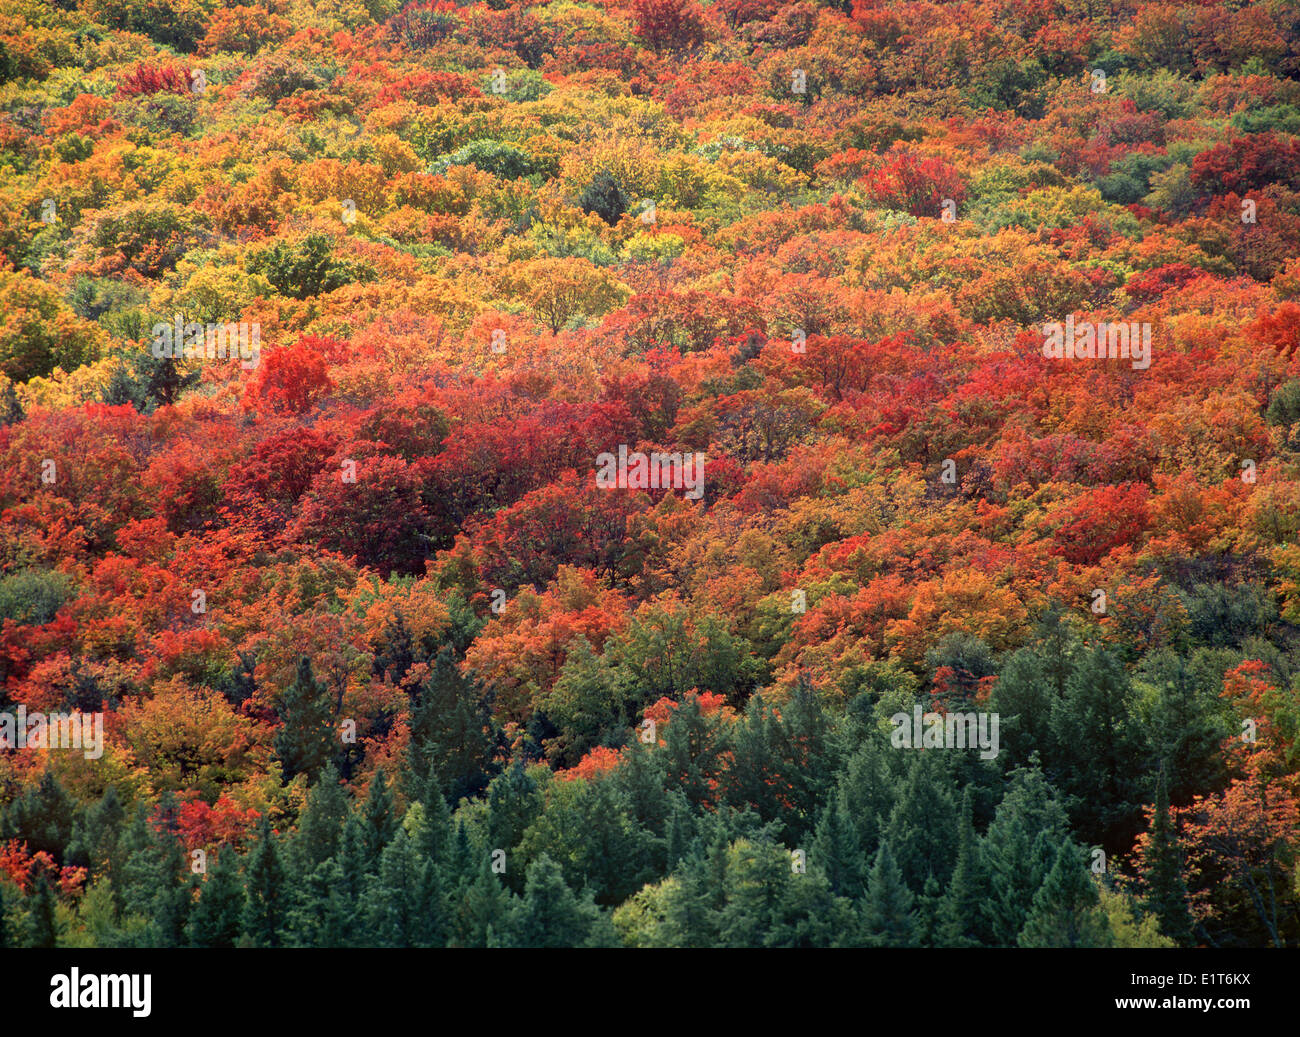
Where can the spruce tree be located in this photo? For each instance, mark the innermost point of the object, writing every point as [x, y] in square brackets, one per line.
[836, 849]
[920, 825]
[305, 741]
[216, 918]
[320, 825]
[1166, 894]
[482, 914]
[866, 789]
[267, 898]
[450, 733]
[378, 820]
[551, 914]
[1067, 910]
[887, 914]
[1096, 750]
[1019, 850]
[42, 917]
[681, 830]
[960, 921]
[322, 912]
[154, 879]
[95, 833]
[392, 908]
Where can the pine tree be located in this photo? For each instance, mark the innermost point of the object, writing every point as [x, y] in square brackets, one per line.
[434, 836]
[1166, 894]
[483, 912]
[239, 684]
[95, 833]
[42, 918]
[396, 654]
[43, 817]
[960, 922]
[148, 382]
[1096, 750]
[681, 830]
[1067, 910]
[450, 733]
[431, 893]
[691, 752]
[322, 912]
[641, 780]
[378, 820]
[1019, 850]
[514, 803]
[267, 898]
[392, 908]
[215, 920]
[305, 741]
[551, 915]
[920, 825]
[866, 789]
[320, 825]
[836, 849]
[154, 879]
[887, 914]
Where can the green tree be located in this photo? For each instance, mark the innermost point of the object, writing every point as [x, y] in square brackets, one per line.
[267, 891]
[482, 915]
[960, 921]
[1166, 894]
[887, 914]
[605, 197]
[42, 917]
[1019, 849]
[836, 849]
[1097, 749]
[320, 826]
[216, 918]
[379, 823]
[1067, 911]
[305, 741]
[550, 914]
[450, 733]
[394, 913]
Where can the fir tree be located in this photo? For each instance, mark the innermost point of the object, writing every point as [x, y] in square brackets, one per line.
[392, 908]
[320, 825]
[960, 921]
[887, 914]
[378, 820]
[1166, 894]
[42, 917]
[551, 915]
[483, 912]
[450, 740]
[1067, 910]
[322, 913]
[215, 920]
[836, 849]
[1019, 850]
[267, 899]
[305, 741]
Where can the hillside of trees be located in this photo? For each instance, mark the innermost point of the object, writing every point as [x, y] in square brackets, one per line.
[379, 659]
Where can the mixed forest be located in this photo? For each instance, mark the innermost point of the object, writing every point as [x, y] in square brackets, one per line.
[379, 662]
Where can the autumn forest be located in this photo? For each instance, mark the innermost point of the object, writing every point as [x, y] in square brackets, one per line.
[649, 473]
